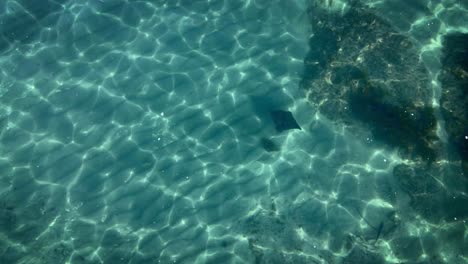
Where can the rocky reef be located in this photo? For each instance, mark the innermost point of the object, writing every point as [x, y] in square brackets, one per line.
[361, 72]
[454, 99]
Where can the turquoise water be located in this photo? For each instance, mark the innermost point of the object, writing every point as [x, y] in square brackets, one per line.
[212, 131]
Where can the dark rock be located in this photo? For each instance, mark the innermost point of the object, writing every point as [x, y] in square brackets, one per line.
[454, 99]
[407, 126]
[362, 72]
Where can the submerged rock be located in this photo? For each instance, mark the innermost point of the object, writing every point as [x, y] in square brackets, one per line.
[361, 72]
[454, 99]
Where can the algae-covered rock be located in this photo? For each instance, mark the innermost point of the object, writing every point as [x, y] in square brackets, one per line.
[454, 99]
[362, 72]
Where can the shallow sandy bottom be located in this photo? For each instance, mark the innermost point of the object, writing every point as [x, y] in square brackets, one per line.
[131, 130]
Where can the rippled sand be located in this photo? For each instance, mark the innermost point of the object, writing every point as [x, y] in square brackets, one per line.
[131, 133]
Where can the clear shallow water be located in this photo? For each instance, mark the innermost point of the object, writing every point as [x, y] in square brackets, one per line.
[131, 132]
